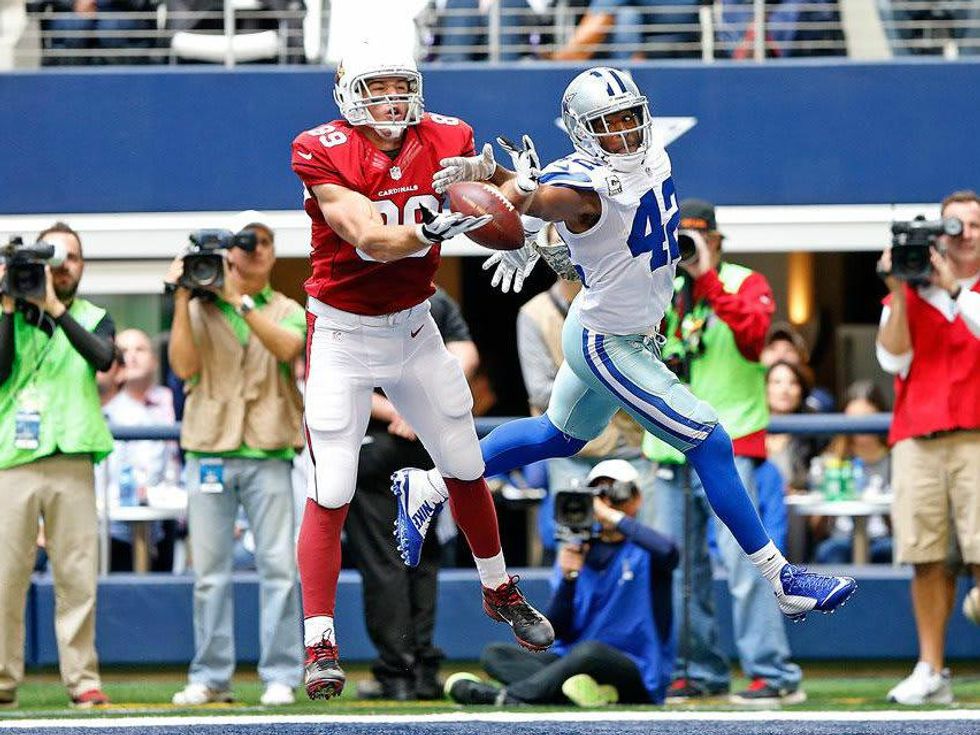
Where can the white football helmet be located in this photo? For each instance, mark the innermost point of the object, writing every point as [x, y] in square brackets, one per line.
[367, 61]
[591, 96]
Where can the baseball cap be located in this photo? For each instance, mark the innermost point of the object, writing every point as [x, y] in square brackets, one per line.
[786, 331]
[615, 469]
[698, 214]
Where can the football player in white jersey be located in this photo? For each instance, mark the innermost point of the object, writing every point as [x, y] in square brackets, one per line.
[614, 204]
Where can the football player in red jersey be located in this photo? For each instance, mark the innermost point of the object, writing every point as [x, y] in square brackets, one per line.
[376, 238]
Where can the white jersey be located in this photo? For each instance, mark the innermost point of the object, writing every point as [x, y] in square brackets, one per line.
[626, 261]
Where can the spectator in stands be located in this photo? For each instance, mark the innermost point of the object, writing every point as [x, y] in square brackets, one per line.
[539, 325]
[929, 339]
[785, 343]
[793, 28]
[715, 331]
[464, 26]
[611, 608]
[136, 468]
[626, 29]
[834, 534]
[786, 385]
[51, 433]
[97, 25]
[400, 601]
[241, 429]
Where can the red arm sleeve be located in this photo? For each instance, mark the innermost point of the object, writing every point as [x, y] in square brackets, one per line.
[748, 312]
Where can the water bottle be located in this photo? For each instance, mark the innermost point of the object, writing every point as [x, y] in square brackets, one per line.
[857, 472]
[831, 479]
[127, 486]
[815, 475]
[847, 480]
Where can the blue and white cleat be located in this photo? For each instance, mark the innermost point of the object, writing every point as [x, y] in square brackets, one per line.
[419, 501]
[799, 591]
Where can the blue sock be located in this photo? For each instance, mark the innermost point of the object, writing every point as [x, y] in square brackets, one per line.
[714, 462]
[521, 442]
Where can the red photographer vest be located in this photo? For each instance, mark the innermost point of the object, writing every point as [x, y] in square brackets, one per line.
[942, 389]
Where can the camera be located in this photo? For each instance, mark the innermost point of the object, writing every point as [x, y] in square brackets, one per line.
[574, 515]
[204, 261]
[24, 276]
[688, 246]
[911, 242]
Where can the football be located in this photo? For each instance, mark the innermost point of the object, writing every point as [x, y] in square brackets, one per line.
[504, 231]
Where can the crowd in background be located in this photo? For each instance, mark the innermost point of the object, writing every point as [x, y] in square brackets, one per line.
[76, 31]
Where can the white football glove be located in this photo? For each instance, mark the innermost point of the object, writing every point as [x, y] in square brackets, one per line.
[446, 225]
[527, 165]
[472, 168]
[513, 266]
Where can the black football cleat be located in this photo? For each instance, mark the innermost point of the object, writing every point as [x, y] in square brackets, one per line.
[324, 677]
[507, 604]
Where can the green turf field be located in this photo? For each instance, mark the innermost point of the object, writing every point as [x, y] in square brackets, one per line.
[841, 686]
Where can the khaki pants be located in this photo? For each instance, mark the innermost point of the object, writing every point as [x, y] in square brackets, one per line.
[937, 483]
[61, 489]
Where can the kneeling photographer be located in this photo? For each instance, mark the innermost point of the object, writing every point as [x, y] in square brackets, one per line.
[51, 433]
[233, 341]
[611, 608]
[929, 339]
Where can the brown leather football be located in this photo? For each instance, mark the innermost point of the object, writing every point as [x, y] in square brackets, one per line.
[504, 231]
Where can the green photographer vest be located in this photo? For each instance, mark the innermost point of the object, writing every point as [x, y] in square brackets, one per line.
[50, 377]
[720, 374]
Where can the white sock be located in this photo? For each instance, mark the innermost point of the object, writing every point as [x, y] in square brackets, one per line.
[438, 483]
[318, 628]
[493, 571]
[769, 561]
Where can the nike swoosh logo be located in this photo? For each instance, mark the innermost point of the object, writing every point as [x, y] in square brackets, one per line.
[307, 156]
[417, 331]
[839, 586]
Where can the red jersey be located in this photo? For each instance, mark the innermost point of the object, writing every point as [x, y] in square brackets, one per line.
[343, 276]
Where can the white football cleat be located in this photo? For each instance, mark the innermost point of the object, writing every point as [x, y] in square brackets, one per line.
[419, 501]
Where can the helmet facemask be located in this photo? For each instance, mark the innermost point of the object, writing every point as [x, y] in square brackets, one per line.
[354, 98]
[594, 130]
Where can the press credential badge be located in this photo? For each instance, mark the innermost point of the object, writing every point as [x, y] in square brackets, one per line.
[212, 477]
[27, 421]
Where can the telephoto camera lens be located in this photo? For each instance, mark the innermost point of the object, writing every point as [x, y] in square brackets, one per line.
[688, 248]
[203, 270]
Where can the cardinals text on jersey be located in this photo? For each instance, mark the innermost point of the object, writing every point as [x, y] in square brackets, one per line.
[337, 153]
[627, 259]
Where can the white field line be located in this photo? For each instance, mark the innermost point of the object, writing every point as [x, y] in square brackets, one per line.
[505, 717]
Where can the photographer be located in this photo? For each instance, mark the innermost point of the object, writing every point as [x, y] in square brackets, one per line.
[929, 339]
[716, 329]
[240, 430]
[51, 434]
[611, 609]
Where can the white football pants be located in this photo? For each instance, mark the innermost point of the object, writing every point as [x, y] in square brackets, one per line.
[404, 355]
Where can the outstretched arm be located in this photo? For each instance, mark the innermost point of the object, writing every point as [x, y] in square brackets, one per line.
[354, 218]
[577, 208]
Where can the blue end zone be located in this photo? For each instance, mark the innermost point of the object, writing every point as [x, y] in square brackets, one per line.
[147, 619]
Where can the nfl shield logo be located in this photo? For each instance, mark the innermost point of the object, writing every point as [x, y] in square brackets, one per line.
[395, 172]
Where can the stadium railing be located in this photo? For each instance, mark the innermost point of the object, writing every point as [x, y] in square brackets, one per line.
[723, 29]
[823, 424]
